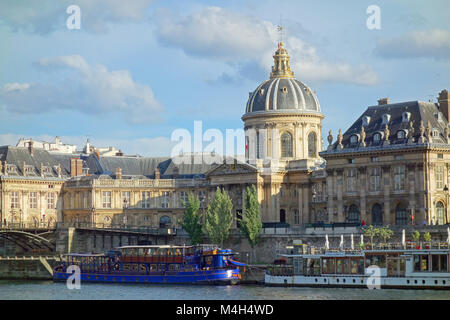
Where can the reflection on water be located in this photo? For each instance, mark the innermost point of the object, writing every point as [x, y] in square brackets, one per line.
[56, 291]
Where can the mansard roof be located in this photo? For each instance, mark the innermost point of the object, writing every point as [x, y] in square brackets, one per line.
[17, 156]
[398, 117]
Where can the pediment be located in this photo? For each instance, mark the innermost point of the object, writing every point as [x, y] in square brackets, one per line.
[231, 168]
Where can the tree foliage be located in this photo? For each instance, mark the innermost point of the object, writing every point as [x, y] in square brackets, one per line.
[251, 224]
[427, 237]
[192, 219]
[416, 236]
[385, 233]
[219, 217]
[370, 232]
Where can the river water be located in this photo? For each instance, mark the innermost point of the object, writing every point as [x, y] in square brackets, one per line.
[47, 290]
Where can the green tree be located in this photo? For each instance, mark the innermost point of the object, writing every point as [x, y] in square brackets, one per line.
[219, 217]
[192, 219]
[416, 236]
[427, 237]
[371, 232]
[385, 233]
[251, 224]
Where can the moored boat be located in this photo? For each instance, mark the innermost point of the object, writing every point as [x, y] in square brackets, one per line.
[390, 266]
[203, 264]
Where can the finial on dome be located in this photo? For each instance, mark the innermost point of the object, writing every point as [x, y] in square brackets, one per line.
[281, 67]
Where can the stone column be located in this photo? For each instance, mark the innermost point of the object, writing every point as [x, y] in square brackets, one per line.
[340, 201]
[306, 214]
[299, 203]
[363, 192]
[387, 215]
[330, 194]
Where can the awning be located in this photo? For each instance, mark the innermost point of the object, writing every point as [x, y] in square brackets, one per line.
[236, 263]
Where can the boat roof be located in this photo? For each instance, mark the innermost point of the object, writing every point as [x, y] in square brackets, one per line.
[85, 254]
[165, 246]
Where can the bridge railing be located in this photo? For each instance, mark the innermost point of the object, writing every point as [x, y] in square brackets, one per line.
[117, 227]
[28, 225]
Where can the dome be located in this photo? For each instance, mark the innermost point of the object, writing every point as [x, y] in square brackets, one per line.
[282, 93]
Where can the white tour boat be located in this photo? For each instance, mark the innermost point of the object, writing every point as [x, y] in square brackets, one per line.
[407, 265]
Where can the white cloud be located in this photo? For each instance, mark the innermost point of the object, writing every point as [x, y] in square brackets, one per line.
[238, 39]
[45, 16]
[88, 89]
[152, 147]
[433, 43]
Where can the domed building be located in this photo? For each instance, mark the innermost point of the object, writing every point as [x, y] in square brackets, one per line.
[282, 117]
[283, 123]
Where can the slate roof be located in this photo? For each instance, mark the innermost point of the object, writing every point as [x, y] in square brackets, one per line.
[19, 155]
[417, 111]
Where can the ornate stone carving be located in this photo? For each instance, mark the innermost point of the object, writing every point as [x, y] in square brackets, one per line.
[330, 139]
[340, 137]
[422, 131]
[363, 137]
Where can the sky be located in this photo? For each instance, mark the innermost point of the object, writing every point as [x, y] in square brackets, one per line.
[137, 70]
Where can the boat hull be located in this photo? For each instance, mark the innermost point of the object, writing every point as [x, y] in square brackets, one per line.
[230, 276]
[442, 283]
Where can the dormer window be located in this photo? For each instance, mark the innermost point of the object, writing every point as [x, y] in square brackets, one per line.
[354, 139]
[261, 92]
[401, 134]
[386, 117]
[377, 137]
[11, 168]
[435, 133]
[365, 121]
[406, 116]
[284, 90]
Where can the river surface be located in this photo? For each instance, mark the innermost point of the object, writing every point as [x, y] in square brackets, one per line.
[47, 290]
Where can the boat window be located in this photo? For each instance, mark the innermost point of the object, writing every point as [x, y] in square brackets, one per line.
[424, 262]
[416, 262]
[312, 267]
[153, 267]
[439, 263]
[342, 265]
[328, 265]
[377, 260]
[141, 251]
[178, 252]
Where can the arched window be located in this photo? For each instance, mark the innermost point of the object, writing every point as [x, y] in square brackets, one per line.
[312, 141]
[401, 217]
[164, 222]
[376, 137]
[286, 145]
[401, 134]
[440, 213]
[377, 215]
[353, 213]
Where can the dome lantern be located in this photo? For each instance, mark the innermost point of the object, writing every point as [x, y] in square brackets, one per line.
[281, 67]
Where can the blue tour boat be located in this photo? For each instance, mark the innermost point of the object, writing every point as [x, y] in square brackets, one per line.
[202, 264]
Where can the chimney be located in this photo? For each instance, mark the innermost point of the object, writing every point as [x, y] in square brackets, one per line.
[383, 101]
[157, 173]
[30, 147]
[118, 173]
[443, 100]
[76, 167]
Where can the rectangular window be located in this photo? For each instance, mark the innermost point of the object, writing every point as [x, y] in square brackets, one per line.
[106, 199]
[374, 179]
[351, 180]
[165, 199]
[439, 177]
[50, 200]
[33, 200]
[183, 198]
[145, 199]
[296, 217]
[126, 197]
[15, 200]
[399, 178]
